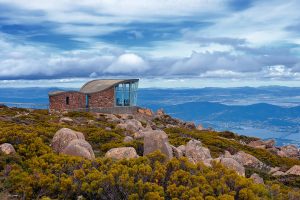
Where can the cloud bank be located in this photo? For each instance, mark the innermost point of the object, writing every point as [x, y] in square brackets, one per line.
[228, 39]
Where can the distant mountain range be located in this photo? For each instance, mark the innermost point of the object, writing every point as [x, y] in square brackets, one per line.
[221, 112]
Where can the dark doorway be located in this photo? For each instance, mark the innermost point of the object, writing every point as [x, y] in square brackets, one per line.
[67, 100]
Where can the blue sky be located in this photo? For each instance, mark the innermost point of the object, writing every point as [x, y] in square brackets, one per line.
[178, 43]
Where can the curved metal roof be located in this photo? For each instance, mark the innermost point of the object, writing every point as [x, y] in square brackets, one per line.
[102, 84]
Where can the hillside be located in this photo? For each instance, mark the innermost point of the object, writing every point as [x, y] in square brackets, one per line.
[267, 112]
[146, 156]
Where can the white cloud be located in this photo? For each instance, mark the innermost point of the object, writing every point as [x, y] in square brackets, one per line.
[261, 24]
[127, 63]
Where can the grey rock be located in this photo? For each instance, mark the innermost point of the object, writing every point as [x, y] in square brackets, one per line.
[63, 137]
[127, 139]
[7, 148]
[122, 153]
[295, 170]
[290, 151]
[157, 140]
[234, 165]
[257, 179]
[182, 149]
[176, 152]
[66, 120]
[195, 152]
[132, 125]
[278, 173]
[79, 147]
[248, 160]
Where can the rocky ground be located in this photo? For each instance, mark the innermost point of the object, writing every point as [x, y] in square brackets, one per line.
[122, 137]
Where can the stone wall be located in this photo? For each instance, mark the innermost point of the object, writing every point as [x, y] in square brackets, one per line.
[58, 102]
[103, 99]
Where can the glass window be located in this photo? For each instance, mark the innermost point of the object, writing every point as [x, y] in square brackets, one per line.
[126, 94]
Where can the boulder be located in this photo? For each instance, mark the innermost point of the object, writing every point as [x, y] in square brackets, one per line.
[176, 152]
[79, 147]
[278, 173]
[257, 144]
[234, 165]
[290, 151]
[132, 125]
[127, 139]
[91, 122]
[208, 162]
[274, 150]
[121, 153]
[295, 170]
[113, 118]
[257, 179]
[63, 137]
[274, 169]
[248, 160]
[269, 143]
[195, 152]
[157, 140]
[7, 148]
[66, 120]
[182, 149]
[107, 128]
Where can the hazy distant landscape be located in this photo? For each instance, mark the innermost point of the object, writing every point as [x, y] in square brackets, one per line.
[266, 112]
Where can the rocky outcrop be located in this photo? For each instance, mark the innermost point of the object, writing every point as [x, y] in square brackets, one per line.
[121, 153]
[260, 144]
[128, 139]
[79, 147]
[234, 165]
[257, 179]
[63, 137]
[290, 151]
[7, 148]
[147, 112]
[157, 140]
[195, 152]
[248, 160]
[295, 170]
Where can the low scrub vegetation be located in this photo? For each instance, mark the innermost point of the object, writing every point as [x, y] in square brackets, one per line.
[36, 172]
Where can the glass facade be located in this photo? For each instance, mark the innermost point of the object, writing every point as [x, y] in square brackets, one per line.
[126, 94]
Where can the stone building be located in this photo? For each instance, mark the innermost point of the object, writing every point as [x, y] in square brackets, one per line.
[105, 95]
